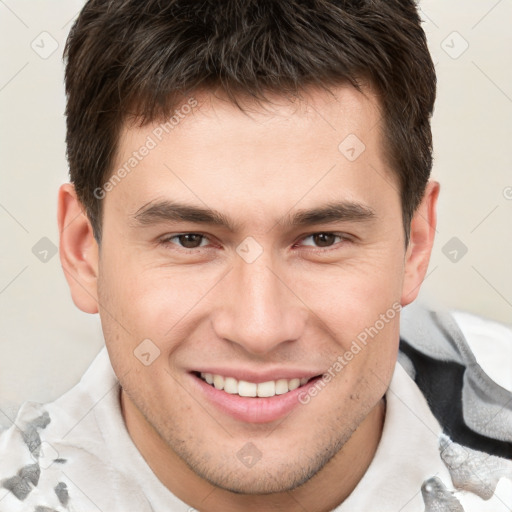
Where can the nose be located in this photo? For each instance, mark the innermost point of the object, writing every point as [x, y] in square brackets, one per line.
[259, 310]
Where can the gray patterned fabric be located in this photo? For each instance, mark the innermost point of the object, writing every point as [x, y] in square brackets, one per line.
[474, 412]
[446, 444]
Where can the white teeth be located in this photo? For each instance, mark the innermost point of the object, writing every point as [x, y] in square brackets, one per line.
[247, 388]
[281, 386]
[251, 389]
[230, 385]
[218, 381]
[267, 388]
[293, 384]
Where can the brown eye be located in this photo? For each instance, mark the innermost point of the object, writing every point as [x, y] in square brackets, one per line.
[190, 240]
[324, 239]
[185, 240]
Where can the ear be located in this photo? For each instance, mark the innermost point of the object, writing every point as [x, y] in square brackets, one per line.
[78, 250]
[421, 240]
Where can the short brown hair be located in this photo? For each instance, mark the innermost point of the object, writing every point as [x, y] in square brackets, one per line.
[132, 58]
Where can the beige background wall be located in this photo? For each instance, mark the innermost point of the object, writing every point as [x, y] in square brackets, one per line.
[46, 343]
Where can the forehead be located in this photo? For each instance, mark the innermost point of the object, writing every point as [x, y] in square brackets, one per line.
[261, 160]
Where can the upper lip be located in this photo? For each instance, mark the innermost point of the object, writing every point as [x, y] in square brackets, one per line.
[260, 376]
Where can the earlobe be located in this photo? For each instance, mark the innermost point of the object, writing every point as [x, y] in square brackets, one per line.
[422, 234]
[78, 250]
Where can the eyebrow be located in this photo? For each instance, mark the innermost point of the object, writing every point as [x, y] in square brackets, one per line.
[172, 211]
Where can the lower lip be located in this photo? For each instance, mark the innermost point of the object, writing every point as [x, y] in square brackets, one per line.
[253, 409]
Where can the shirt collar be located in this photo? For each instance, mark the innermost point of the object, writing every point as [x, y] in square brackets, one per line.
[407, 454]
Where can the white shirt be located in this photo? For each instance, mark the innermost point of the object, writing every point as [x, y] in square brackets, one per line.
[88, 462]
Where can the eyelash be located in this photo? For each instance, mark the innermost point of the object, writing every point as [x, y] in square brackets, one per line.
[166, 241]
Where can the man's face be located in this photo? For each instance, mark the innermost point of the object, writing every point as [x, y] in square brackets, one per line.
[263, 298]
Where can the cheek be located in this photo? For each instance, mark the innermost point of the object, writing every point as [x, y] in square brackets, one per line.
[350, 296]
[151, 301]
[357, 305]
[365, 361]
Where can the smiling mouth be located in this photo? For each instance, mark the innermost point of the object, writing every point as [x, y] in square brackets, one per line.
[251, 389]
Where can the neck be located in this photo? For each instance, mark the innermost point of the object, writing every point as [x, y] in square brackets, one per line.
[322, 493]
